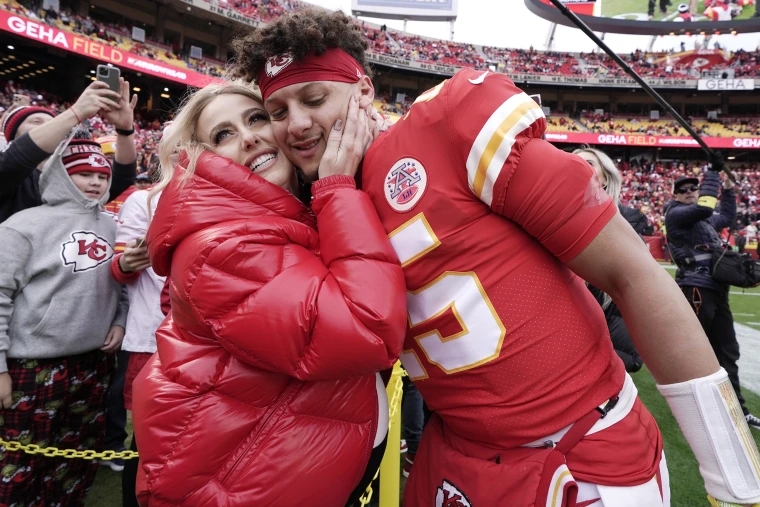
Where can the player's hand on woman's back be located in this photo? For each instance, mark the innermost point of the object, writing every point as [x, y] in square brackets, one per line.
[347, 143]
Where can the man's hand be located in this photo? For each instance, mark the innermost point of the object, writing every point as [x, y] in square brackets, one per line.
[124, 117]
[94, 98]
[727, 183]
[134, 258]
[6, 390]
[113, 340]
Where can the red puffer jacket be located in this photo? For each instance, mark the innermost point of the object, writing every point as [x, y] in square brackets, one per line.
[264, 388]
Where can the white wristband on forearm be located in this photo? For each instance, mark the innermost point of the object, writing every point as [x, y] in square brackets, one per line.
[712, 421]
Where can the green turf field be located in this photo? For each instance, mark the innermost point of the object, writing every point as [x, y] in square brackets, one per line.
[638, 8]
[685, 481]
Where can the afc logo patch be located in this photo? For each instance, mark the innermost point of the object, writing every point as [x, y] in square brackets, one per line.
[405, 184]
[449, 495]
[86, 250]
[276, 63]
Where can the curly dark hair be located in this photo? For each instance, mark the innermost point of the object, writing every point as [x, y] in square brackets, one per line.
[300, 34]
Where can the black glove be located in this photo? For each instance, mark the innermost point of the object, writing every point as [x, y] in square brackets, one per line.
[716, 163]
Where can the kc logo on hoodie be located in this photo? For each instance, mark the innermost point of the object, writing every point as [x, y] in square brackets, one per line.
[86, 250]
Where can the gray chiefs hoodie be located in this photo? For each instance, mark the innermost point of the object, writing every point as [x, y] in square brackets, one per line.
[57, 296]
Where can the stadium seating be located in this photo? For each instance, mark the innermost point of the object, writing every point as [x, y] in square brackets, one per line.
[563, 124]
[394, 43]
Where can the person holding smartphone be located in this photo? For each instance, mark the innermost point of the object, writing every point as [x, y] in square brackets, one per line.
[34, 132]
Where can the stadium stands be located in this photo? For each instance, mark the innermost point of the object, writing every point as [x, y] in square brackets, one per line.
[397, 44]
[646, 186]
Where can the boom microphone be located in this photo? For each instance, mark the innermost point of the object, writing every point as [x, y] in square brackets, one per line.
[716, 160]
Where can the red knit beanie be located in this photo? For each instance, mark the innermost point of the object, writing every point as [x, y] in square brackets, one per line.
[85, 155]
[16, 117]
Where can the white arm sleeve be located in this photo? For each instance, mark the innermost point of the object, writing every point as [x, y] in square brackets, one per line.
[712, 421]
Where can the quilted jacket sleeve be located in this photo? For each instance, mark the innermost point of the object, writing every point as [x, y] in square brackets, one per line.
[278, 297]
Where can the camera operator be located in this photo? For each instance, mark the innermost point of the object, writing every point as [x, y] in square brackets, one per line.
[34, 132]
[693, 222]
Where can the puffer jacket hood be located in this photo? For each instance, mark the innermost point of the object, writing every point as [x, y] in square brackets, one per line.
[57, 188]
[264, 389]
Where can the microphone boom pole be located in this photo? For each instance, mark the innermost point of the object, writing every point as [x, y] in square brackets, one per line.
[715, 158]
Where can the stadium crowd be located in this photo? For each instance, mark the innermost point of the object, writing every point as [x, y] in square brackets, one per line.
[147, 127]
[391, 43]
[648, 186]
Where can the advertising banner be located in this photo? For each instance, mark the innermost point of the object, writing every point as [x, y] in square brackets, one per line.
[733, 85]
[85, 46]
[752, 143]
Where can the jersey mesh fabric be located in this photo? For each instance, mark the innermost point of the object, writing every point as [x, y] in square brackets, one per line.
[510, 232]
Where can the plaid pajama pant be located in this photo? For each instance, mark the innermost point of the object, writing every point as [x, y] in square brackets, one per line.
[57, 402]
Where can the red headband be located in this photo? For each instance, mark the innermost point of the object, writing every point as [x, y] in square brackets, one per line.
[332, 65]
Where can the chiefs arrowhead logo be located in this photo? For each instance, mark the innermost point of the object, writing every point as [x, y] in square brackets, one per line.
[276, 63]
[86, 250]
[449, 495]
[96, 160]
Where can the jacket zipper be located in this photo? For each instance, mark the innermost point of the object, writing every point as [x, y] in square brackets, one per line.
[285, 394]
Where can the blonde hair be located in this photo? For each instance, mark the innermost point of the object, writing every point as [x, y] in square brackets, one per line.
[181, 135]
[614, 183]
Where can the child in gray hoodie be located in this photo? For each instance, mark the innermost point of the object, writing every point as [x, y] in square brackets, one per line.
[61, 314]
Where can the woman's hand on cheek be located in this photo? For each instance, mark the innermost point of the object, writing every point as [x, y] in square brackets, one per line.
[346, 144]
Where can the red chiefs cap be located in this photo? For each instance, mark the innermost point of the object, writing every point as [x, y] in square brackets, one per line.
[85, 155]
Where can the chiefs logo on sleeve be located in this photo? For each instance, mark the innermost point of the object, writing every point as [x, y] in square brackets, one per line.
[86, 250]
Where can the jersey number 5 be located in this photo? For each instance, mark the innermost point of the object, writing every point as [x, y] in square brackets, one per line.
[452, 295]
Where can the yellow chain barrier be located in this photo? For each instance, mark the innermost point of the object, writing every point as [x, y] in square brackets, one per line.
[395, 403]
[397, 385]
[67, 453]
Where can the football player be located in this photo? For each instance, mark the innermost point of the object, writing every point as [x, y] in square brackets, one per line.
[496, 230]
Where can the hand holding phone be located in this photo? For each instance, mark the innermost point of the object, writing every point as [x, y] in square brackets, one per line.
[110, 76]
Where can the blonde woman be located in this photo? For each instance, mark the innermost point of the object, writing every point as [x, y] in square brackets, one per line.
[264, 389]
[612, 182]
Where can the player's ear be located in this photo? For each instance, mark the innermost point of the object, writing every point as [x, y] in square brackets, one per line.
[366, 89]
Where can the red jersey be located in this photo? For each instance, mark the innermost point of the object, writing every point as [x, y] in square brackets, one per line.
[115, 205]
[504, 342]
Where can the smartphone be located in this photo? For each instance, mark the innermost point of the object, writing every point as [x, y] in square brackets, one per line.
[110, 76]
[21, 100]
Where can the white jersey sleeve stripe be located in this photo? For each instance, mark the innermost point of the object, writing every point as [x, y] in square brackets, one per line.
[494, 143]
